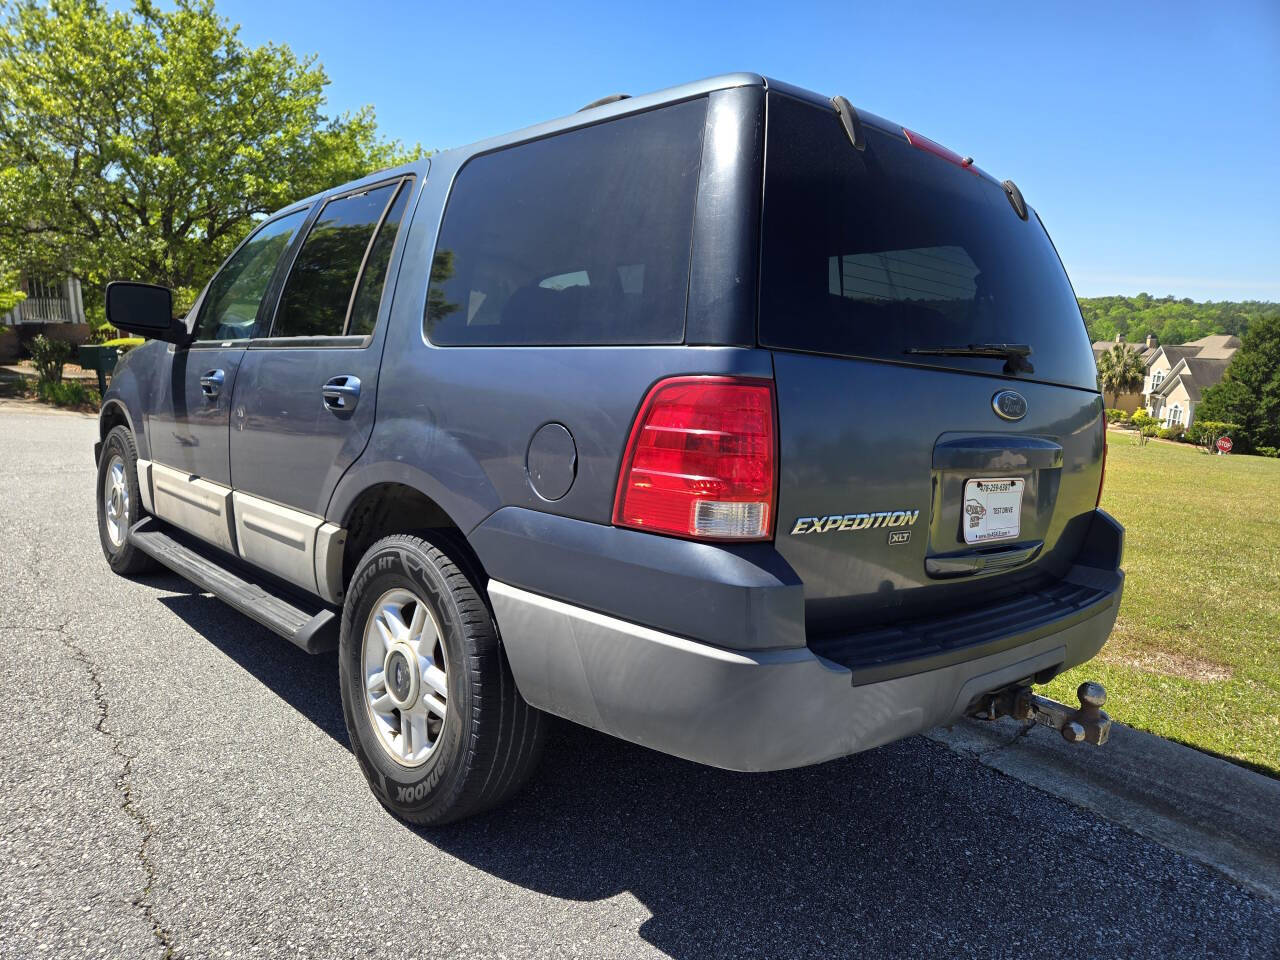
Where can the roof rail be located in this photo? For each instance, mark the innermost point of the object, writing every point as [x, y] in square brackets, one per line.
[1015, 198]
[849, 119]
[611, 98]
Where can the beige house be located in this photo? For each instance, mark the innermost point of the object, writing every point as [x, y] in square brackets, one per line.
[1178, 375]
[1128, 402]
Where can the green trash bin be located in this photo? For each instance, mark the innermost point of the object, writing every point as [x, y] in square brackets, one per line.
[100, 359]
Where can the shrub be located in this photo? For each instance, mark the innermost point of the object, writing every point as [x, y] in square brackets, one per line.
[124, 344]
[1171, 433]
[67, 393]
[1141, 419]
[1117, 416]
[1145, 433]
[1269, 452]
[1205, 433]
[102, 332]
[49, 357]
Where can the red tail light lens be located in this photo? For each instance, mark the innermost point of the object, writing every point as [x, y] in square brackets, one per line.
[701, 460]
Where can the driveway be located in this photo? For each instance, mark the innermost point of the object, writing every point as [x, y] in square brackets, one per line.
[176, 780]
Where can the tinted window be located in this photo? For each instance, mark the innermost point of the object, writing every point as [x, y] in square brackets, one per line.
[317, 294]
[364, 309]
[875, 252]
[230, 306]
[579, 238]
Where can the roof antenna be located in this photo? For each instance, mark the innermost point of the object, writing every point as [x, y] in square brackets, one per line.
[611, 98]
[849, 119]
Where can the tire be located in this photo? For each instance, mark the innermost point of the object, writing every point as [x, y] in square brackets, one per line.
[120, 503]
[488, 741]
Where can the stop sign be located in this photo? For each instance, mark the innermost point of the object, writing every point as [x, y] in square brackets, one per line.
[1224, 444]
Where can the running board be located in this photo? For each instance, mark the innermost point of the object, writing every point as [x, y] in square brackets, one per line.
[313, 626]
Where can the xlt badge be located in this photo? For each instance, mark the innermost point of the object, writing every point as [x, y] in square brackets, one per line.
[855, 521]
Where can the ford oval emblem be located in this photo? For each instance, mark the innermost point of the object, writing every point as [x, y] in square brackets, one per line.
[1009, 405]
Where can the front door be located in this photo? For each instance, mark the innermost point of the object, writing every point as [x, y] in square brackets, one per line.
[304, 397]
[187, 427]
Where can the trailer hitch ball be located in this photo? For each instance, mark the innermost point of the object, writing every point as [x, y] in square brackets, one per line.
[1091, 694]
[1084, 724]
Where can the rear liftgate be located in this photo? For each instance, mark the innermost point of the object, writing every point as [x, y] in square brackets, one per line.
[1087, 724]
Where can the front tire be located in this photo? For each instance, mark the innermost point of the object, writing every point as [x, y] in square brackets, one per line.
[433, 713]
[120, 503]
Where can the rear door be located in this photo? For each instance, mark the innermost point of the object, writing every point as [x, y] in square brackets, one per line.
[306, 394]
[911, 482]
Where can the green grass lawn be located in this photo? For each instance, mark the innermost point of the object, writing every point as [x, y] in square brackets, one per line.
[1195, 655]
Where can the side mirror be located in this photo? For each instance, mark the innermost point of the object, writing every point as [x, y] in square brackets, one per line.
[146, 309]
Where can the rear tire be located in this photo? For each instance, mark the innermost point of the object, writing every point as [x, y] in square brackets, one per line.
[432, 709]
[120, 503]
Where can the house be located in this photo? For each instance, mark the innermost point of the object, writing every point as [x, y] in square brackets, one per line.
[53, 307]
[1177, 376]
[1128, 402]
[48, 301]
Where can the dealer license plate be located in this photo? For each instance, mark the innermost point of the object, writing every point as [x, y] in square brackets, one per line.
[992, 509]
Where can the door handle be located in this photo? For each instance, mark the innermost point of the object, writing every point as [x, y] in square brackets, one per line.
[341, 393]
[211, 383]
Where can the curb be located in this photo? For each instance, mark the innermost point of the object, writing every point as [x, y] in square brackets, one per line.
[1219, 814]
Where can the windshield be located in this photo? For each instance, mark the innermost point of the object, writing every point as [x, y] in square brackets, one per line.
[879, 252]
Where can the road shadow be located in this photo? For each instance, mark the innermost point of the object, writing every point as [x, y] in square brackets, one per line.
[904, 851]
[307, 682]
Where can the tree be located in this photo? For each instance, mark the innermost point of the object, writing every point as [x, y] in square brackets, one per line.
[1120, 371]
[1172, 321]
[1249, 394]
[10, 295]
[143, 144]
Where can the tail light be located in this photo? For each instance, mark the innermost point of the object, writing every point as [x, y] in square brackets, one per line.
[1102, 479]
[701, 460]
[921, 142]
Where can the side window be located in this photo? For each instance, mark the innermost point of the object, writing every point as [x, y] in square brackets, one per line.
[230, 308]
[364, 309]
[578, 238]
[318, 292]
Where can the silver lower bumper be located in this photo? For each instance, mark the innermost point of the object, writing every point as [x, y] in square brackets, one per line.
[744, 710]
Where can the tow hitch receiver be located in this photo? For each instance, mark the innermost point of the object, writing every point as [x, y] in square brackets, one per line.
[1088, 724]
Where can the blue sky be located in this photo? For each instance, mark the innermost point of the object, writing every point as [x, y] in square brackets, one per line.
[1147, 135]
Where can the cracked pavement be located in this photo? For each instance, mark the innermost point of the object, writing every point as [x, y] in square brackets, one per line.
[176, 782]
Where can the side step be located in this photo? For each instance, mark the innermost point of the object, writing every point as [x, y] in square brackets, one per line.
[312, 626]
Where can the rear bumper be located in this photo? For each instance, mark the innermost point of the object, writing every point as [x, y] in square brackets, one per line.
[766, 709]
[745, 710]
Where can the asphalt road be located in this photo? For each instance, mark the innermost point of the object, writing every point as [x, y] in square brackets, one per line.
[173, 778]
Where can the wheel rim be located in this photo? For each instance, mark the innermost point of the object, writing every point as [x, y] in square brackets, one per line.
[115, 500]
[405, 675]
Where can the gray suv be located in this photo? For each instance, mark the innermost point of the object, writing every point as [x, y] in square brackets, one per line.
[728, 420]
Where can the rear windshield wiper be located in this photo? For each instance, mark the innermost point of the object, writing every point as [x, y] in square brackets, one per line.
[1014, 354]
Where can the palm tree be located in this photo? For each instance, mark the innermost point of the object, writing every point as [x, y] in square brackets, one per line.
[1120, 371]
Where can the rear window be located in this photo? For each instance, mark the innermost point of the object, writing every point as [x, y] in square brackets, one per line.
[873, 253]
[579, 238]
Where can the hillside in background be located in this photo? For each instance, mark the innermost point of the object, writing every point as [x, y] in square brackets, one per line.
[1171, 320]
